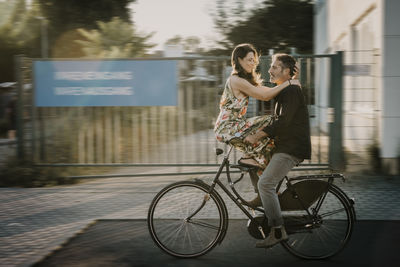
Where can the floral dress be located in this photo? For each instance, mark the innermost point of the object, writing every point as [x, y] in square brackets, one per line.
[231, 120]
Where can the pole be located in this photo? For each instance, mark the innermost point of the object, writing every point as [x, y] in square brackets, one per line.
[336, 155]
[20, 107]
[44, 54]
[43, 37]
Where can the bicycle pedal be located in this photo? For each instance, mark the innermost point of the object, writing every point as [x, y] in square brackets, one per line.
[253, 212]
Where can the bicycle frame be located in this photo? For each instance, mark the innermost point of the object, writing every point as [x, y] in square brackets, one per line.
[301, 203]
[238, 200]
[225, 163]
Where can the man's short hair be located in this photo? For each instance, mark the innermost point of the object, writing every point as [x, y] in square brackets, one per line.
[287, 62]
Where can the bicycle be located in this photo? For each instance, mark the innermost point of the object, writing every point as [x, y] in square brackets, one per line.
[187, 219]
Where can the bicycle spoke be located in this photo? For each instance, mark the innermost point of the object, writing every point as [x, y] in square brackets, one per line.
[169, 227]
[173, 236]
[186, 236]
[332, 212]
[329, 232]
[333, 233]
[299, 240]
[193, 234]
[322, 241]
[204, 224]
[198, 234]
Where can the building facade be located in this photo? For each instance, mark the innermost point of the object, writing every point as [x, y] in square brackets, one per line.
[368, 32]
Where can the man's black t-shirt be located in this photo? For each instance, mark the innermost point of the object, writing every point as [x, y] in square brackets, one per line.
[291, 126]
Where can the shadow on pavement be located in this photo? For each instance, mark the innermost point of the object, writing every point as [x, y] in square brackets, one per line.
[128, 243]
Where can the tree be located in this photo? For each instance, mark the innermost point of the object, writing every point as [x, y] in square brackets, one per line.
[27, 32]
[65, 16]
[5, 7]
[177, 39]
[16, 33]
[114, 39]
[279, 24]
[190, 44]
[71, 14]
[20, 27]
[225, 18]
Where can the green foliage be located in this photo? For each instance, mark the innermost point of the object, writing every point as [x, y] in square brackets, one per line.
[279, 25]
[19, 34]
[68, 15]
[20, 28]
[114, 39]
[25, 174]
[225, 18]
[189, 44]
[5, 7]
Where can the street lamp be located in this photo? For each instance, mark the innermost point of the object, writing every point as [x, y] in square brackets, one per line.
[43, 36]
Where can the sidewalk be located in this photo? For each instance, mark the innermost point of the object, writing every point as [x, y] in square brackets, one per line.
[34, 222]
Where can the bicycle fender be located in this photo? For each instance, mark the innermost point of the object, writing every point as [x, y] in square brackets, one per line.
[308, 191]
[349, 200]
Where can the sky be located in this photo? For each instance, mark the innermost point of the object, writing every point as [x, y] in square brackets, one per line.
[169, 18]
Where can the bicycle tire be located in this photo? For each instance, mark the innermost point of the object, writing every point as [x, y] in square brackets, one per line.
[327, 232]
[172, 228]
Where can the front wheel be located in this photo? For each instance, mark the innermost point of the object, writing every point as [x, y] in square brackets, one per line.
[326, 232]
[186, 221]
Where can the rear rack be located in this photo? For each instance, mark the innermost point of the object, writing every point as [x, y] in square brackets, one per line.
[319, 176]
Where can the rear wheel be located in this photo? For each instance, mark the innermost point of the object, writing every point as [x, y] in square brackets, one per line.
[326, 232]
[185, 221]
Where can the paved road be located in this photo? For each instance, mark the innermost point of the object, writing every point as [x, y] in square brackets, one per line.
[128, 243]
[36, 221]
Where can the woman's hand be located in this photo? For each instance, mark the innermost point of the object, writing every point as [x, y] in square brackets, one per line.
[295, 82]
[296, 71]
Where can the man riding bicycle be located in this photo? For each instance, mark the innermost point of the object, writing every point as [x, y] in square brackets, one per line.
[291, 131]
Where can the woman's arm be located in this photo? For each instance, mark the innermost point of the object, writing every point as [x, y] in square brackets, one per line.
[263, 93]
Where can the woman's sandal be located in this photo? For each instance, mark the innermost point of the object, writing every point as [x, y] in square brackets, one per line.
[249, 164]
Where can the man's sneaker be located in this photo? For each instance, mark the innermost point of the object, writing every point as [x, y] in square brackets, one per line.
[276, 235]
[255, 202]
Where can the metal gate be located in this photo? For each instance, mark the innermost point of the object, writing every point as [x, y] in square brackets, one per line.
[179, 135]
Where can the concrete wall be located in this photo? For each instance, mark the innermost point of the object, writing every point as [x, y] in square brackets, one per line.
[342, 14]
[321, 41]
[390, 95]
[368, 31]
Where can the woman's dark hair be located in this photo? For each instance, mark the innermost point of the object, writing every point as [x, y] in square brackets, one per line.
[241, 51]
[288, 62]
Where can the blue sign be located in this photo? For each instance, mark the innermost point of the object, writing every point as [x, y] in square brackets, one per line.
[64, 83]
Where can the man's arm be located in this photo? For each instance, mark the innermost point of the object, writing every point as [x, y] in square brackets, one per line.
[289, 103]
